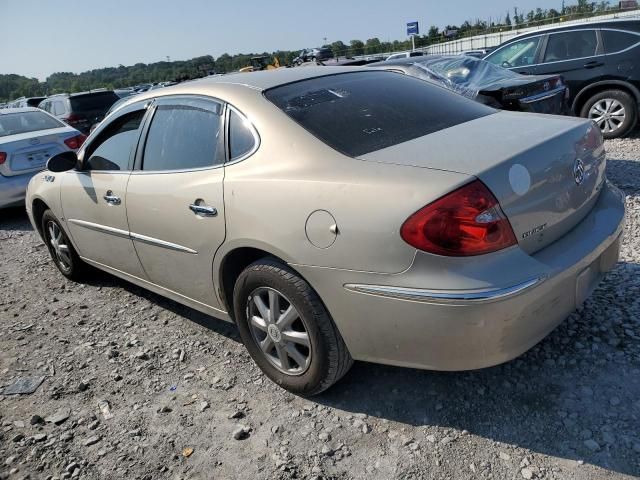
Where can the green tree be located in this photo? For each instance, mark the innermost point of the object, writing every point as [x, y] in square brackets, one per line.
[357, 47]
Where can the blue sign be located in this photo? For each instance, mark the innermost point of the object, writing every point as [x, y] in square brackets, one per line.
[412, 28]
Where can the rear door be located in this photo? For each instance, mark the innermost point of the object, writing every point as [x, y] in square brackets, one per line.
[577, 55]
[94, 197]
[175, 202]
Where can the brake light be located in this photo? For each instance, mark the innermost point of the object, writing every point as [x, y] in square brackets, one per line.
[76, 142]
[465, 222]
[3, 157]
[72, 118]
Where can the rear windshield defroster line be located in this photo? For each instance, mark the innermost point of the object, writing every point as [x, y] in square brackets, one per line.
[361, 112]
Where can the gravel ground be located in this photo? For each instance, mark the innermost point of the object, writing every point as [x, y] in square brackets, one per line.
[139, 387]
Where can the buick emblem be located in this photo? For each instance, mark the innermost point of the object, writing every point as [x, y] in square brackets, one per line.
[578, 171]
[546, 86]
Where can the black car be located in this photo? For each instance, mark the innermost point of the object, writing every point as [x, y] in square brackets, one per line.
[80, 110]
[486, 83]
[318, 54]
[599, 61]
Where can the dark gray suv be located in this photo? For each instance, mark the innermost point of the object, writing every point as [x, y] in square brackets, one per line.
[80, 110]
[600, 63]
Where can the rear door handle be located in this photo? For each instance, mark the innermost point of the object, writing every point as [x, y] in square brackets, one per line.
[112, 199]
[203, 210]
[593, 64]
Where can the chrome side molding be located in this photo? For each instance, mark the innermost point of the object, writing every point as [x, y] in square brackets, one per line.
[460, 297]
[161, 243]
[100, 228]
[133, 236]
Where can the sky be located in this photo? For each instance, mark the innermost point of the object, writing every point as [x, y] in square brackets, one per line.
[40, 37]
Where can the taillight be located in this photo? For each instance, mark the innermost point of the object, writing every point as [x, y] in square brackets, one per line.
[76, 142]
[72, 118]
[465, 222]
[3, 157]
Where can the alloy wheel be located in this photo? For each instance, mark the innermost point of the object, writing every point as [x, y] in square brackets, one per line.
[279, 331]
[608, 113]
[59, 246]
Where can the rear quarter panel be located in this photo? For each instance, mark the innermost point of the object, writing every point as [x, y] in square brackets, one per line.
[270, 196]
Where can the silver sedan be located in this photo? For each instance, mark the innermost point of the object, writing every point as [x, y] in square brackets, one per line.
[337, 214]
[28, 138]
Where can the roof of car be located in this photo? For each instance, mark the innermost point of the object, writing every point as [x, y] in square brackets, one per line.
[613, 23]
[266, 79]
[6, 111]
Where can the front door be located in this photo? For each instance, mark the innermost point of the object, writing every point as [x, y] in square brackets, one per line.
[175, 202]
[94, 197]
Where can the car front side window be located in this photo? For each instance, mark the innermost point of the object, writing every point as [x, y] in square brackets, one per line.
[184, 136]
[517, 54]
[112, 149]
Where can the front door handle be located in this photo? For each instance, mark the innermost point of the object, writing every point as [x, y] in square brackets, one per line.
[593, 64]
[112, 199]
[203, 210]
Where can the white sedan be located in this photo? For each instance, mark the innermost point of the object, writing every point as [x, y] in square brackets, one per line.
[28, 138]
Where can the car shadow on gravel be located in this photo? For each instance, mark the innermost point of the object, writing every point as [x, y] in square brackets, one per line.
[14, 219]
[573, 396]
[574, 386]
[625, 174]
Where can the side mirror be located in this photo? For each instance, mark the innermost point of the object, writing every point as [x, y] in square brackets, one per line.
[62, 162]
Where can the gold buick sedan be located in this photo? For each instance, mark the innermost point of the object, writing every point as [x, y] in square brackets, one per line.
[337, 213]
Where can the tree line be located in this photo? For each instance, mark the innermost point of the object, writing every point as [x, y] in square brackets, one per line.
[13, 86]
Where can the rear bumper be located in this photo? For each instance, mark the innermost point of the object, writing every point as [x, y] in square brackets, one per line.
[415, 319]
[13, 189]
[553, 102]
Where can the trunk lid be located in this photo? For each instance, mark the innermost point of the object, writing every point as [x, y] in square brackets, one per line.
[29, 152]
[545, 171]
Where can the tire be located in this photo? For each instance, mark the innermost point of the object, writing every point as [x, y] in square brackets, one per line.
[70, 265]
[604, 104]
[311, 370]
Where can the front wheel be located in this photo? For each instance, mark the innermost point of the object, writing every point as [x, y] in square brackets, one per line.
[60, 248]
[614, 111]
[287, 330]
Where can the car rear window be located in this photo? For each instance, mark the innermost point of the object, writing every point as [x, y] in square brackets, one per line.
[24, 122]
[359, 113]
[94, 101]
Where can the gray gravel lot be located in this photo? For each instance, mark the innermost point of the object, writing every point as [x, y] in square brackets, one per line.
[139, 387]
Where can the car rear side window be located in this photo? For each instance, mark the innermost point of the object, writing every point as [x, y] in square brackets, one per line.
[112, 149]
[183, 137]
[241, 137]
[57, 107]
[570, 45]
[358, 113]
[616, 41]
[25, 122]
[94, 102]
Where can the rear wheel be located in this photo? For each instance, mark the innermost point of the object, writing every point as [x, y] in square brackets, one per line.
[60, 248]
[614, 111]
[287, 330]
